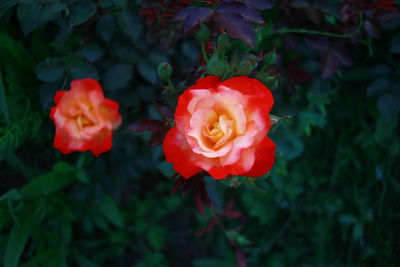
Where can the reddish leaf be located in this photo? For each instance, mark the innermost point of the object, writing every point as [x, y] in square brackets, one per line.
[329, 65]
[178, 184]
[232, 214]
[146, 125]
[298, 75]
[193, 16]
[158, 137]
[260, 4]
[240, 258]
[372, 28]
[251, 15]
[211, 224]
[165, 112]
[229, 212]
[201, 198]
[342, 56]
[386, 16]
[236, 26]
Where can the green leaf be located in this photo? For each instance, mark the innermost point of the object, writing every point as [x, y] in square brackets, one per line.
[82, 12]
[106, 27]
[82, 261]
[147, 71]
[29, 15]
[91, 52]
[51, 11]
[5, 5]
[12, 194]
[3, 100]
[16, 242]
[216, 66]
[389, 106]
[270, 59]
[50, 182]
[130, 25]
[395, 44]
[110, 211]
[83, 69]
[50, 70]
[211, 262]
[118, 76]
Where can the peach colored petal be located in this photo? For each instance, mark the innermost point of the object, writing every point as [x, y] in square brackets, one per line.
[240, 143]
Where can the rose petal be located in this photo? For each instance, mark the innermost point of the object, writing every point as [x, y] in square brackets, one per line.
[240, 143]
[265, 157]
[251, 87]
[178, 152]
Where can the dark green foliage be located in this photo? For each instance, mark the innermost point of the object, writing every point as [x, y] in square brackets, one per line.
[332, 198]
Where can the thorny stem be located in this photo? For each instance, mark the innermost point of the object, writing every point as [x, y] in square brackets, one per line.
[204, 52]
[305, 31]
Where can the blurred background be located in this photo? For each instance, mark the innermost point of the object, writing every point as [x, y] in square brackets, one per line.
[332, 198]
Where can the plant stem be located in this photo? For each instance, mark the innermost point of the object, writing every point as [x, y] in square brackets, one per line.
[171, 86]
[305, 31]
[204, 52]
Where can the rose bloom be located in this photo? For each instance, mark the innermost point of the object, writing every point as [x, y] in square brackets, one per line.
[84, 119]
[221, 128]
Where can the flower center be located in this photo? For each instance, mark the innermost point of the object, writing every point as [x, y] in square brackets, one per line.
[83, 121]
[219, 132]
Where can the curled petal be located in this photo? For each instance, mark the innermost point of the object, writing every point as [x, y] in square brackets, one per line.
[265, 158]
[177, 151]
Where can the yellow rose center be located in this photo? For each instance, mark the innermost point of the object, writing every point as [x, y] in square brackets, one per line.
[83, 121]
[219, 132]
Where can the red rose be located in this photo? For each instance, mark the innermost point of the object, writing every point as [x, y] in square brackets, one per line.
[84, 119]
[221, 128]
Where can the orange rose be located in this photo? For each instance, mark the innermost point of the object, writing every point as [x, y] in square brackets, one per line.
[221, 128]
[84, 119]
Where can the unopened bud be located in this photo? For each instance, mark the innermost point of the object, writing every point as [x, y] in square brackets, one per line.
[203, 34]
[164, 71]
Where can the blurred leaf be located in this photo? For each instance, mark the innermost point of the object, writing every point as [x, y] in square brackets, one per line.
[82, 12]
[3, 100]
[47, 92]
[211, 262]
[106, 27]
[148, 71]
[389, 106]
[50, 70]
[110, 211]
[5, 5]
[51, 11]
[82, 69]
[60, 176]
[91, 52]
[238, 238]
[82, 261]
[329, 65]
[395, 44]
[270, 58]
[29, 15]
[130, 25]
[156, 237]
[378, 86]
[118, 76]
[146, 125]
[16, 242]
